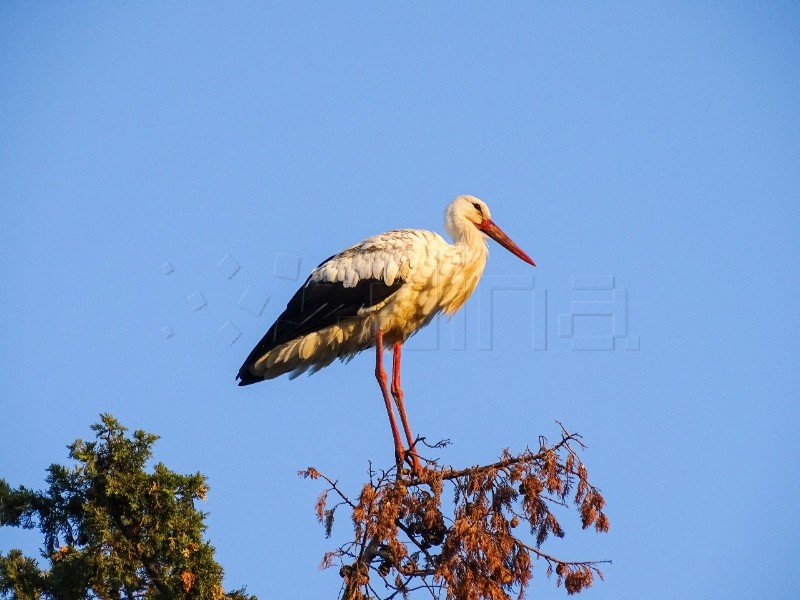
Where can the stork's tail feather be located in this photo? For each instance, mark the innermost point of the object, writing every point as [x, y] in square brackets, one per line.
[246, 378]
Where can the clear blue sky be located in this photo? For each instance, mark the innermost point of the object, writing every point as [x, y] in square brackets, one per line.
[157, 158]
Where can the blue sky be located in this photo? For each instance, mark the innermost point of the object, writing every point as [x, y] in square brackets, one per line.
[169, 173]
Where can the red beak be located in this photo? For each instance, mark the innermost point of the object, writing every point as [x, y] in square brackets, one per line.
[488, 227]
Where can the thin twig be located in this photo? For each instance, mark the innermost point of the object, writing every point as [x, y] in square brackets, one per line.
[526, 456]
[552, 559]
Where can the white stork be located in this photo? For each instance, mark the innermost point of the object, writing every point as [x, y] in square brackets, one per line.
[379, 293]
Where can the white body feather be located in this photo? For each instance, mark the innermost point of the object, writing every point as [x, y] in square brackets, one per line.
[438, 277]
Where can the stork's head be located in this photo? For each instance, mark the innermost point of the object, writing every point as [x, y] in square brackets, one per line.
[466, 212]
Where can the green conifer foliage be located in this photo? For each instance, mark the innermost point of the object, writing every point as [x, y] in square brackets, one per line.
[112, 529]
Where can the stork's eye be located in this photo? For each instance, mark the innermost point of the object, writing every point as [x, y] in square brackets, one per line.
[478, 208]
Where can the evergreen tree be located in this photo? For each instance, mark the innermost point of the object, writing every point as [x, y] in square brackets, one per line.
[112, 530]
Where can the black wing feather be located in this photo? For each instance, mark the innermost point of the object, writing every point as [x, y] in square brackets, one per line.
[314, 306]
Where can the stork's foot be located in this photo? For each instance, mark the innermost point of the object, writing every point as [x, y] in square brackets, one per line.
[408, 457]
[413, 461]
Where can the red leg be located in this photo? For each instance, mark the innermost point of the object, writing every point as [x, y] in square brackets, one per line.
[380, 375]
[397, 394]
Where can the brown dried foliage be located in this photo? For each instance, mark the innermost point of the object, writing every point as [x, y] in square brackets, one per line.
[404, 542]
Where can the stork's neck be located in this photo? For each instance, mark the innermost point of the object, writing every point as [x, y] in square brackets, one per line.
[460, 271]
[469, 246]
[467, 238]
